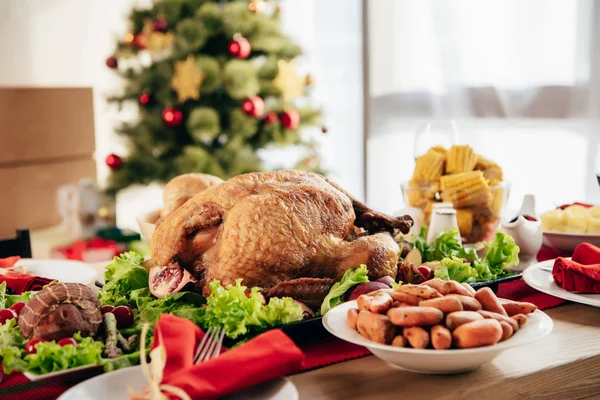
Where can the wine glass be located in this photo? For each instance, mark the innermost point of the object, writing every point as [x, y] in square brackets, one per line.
[598, 163]
[435, 133]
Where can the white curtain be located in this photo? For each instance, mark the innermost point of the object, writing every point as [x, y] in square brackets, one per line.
[522, 79]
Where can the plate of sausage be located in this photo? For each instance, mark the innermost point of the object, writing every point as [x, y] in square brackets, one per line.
[438, 327]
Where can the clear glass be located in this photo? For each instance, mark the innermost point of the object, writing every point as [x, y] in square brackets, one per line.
[435, 133]
[598, 163]
[477, 220]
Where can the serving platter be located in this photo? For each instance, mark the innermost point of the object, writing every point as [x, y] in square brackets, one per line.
[432, 361]
[539, 277]
[76, 374]
[114, 386]
[67, 271]
[567, 242]
[494, 283]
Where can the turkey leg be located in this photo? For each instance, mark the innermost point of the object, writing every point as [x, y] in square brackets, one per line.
[310, 291]
[373, 221]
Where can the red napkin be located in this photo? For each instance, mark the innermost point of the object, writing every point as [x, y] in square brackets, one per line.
[20, 283]
[266, 357]
[575, 204]
[77, 250]
[582, 272]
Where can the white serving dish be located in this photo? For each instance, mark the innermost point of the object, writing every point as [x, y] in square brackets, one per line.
[147, 223]
[539, 277]
[432, 361]
[567, 242]
[114, 385]
[67, 271]
[83, 372]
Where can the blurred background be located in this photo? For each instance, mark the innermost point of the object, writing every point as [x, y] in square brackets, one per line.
[520, 79]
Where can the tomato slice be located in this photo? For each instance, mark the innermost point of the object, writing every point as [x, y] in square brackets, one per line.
[9, 261]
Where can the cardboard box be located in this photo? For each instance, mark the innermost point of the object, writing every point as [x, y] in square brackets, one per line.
[46, 141]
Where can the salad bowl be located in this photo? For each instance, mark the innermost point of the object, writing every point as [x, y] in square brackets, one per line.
[431, 361]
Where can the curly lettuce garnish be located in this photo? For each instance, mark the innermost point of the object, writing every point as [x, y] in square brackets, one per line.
[49, 356]
[351, 278]
[462, 265]
[240, 312]
[123, 275]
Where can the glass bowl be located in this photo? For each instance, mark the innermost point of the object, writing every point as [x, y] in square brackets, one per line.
[478, 213]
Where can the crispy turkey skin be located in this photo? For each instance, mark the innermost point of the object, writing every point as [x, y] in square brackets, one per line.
[268, 228]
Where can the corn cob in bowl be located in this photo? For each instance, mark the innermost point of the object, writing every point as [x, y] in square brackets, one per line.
[472, 183]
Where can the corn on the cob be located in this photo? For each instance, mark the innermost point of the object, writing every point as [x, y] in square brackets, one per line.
[491, 171]
[460, 159]
[466, 189]
[464, 218]
[429, 167]
[440, 149]
[498, 199]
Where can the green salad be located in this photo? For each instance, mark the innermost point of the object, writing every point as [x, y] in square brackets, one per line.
[451, 261]
[241, 312]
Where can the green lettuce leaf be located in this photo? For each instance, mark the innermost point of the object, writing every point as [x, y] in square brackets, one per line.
[420, 242]
[11, 347]
[280, 311]
[3, 295]
[239, 312]
[351, 278]
[456, 269]
[446, 245]
[501, 253]
[51, 357]
[182, 304]
[124, 275]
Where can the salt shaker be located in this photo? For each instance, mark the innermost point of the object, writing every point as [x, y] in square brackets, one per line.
[442, 220]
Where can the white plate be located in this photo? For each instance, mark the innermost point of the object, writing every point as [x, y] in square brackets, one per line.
[567, 242]
[542, 280]
[431, 361]
[114, 386]
[67, 271]
[62, 374]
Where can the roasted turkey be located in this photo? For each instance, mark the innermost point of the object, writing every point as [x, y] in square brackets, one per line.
[291, 233]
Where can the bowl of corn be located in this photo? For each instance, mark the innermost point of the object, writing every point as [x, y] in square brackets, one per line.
[473, 184]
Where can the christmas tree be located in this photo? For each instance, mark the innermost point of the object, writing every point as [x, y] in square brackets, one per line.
[215, 82]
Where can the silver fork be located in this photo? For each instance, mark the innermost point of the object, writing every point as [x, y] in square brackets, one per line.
[210, 345]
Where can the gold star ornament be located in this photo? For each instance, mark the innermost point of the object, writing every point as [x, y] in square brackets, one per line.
[157, 41]
[187, 79]
[287, 81]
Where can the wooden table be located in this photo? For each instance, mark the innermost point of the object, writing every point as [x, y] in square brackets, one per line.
[563, 365]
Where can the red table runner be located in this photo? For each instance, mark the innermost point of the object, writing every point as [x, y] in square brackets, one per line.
[327, 351]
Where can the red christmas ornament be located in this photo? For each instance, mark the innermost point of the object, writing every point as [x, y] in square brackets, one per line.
[144, 98]
[270, 118]
[171, 116]
[113, 161]
[239, 47]
[140, 41]
[159, 25]
[111, 62]
[253, 106]
[290, 119]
